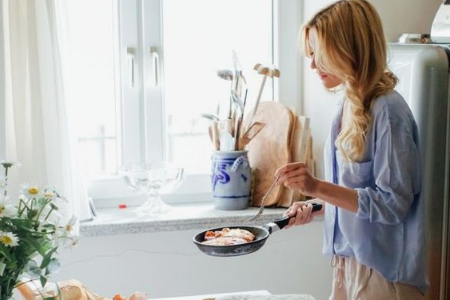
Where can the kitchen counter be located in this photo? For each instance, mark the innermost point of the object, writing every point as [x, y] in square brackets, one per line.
[113, 221]
[251, 295]
[209, 296]
[157, 256]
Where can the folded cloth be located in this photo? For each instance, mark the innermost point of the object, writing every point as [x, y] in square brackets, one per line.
[267, 297]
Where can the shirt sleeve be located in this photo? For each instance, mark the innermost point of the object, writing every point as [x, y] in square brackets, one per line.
[396, 170]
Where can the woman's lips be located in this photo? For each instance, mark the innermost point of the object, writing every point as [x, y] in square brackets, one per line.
[322, 76]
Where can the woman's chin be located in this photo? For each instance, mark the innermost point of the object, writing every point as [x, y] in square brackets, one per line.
[329, 85]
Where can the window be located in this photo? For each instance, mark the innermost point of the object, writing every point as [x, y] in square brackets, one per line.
[93, 82]
[143, 71]
[195, 48]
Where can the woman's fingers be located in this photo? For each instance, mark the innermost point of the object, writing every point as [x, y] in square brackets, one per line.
[300, 213]
[297, 176]
[287, 169]
[303, 182]
[291, 173]
[303, 214]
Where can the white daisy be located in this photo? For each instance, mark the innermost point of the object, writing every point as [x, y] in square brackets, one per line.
[6, 208]
[9, 239]
[31, 190]
[69, 226]
[50, 192]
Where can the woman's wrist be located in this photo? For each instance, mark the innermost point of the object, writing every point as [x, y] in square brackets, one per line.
[321, 189]
[337, 195]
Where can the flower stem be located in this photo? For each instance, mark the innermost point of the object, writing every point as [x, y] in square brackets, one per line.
[42, 209]
[48, 215]
[25, 206]
[6, 166]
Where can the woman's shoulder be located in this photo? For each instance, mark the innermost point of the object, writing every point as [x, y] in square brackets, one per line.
[391, 108]
[393, 104]
[390, 100]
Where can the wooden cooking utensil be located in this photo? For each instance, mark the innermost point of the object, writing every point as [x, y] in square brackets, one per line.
[214, 135]
[269, 149]
[248, 135]
[266, 71]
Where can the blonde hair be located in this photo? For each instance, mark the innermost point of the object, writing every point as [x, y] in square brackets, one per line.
[351, 46]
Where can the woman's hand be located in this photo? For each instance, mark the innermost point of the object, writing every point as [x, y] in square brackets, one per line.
[301, 212]
[297, 176]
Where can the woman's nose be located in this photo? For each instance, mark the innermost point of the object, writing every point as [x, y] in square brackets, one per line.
[313, 64]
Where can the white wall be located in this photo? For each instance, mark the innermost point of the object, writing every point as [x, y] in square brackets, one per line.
[399, 16]
[168, 264]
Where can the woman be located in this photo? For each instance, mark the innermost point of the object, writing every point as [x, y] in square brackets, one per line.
[373, 217]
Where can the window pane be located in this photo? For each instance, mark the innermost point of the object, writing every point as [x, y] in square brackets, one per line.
[91, 83]
[199, 37]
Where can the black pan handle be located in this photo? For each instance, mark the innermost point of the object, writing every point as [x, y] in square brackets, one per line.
[282, 222]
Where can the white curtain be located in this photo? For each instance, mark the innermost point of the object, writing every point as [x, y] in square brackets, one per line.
[37, 123]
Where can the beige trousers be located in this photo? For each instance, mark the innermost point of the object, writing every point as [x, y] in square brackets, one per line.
[354, 281]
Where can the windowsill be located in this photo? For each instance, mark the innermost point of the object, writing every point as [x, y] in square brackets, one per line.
[114, 221]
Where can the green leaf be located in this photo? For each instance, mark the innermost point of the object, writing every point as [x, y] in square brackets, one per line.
[49, 226]
[2, 268]
[4, 251]
[32, 214]
[42, 202]
[22, 224]
[53, 266]
[33, 269]
[43, 280]
[35, 244]
[47, 258]
[46, 245]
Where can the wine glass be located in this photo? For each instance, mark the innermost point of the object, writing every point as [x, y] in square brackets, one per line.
[149, 179]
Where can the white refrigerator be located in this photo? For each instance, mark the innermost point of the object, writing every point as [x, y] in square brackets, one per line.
[423, 72]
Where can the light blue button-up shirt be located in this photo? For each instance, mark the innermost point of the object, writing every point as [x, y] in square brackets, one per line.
[387, 233]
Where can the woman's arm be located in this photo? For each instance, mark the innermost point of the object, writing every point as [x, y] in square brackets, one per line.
[338, 195]
[297, 176]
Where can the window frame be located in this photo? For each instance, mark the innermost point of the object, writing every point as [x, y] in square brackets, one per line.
[138, 138]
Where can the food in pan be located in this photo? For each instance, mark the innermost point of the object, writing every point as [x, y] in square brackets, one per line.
[225, 241]
[227, 236]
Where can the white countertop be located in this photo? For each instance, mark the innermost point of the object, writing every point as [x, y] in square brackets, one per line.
[251, 295]
[115, 221]
[209, 296]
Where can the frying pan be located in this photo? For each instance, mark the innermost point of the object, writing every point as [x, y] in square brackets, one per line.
[261, 234]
